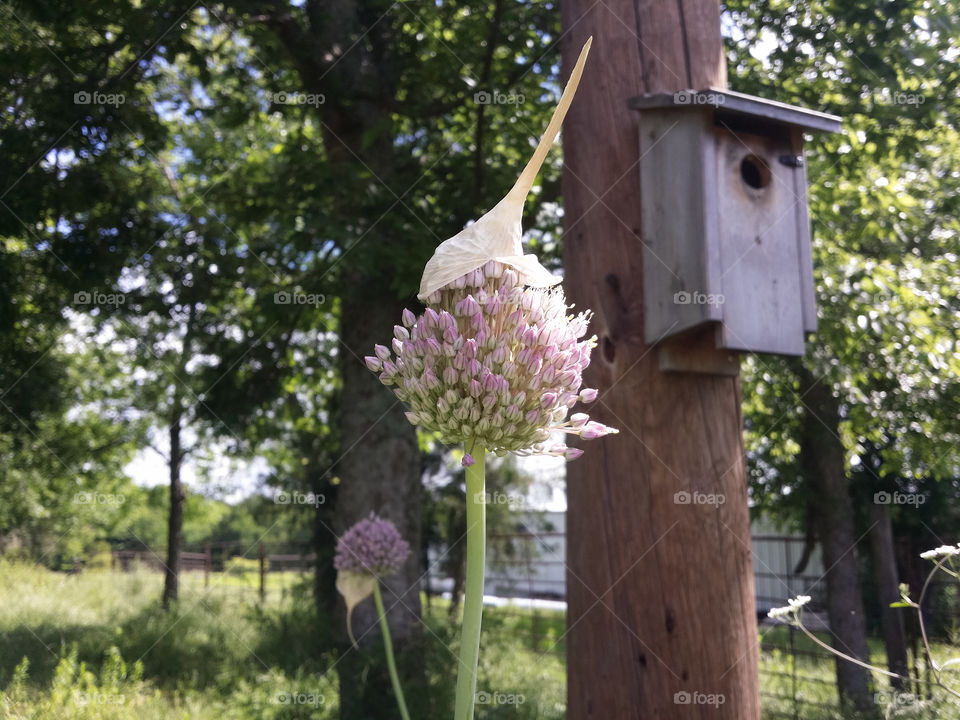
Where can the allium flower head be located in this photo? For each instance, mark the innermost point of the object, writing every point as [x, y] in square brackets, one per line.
[373, 546]
[493, 364]
[495, 361]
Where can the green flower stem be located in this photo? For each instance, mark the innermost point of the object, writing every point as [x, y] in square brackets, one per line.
[388, 647]
[473, 590]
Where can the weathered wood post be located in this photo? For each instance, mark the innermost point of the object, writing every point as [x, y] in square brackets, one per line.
[661, 603]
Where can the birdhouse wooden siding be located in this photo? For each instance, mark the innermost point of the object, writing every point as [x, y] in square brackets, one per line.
[725, 224]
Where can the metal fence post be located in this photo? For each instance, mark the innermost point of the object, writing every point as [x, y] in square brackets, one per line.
[263, 575]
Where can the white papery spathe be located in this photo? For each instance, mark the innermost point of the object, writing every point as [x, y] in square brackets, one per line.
[496, 235]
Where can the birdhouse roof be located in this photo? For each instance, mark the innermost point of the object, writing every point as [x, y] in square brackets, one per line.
[734, 104]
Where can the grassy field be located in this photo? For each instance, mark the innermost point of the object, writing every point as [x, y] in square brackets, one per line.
[97, 645]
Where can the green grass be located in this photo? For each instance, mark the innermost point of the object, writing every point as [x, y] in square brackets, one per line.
[98, 646]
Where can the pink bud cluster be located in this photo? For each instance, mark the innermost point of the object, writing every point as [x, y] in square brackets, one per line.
[372, 546]
[493, 364]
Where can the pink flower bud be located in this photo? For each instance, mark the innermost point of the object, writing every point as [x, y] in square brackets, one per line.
[467, 460]
[573, 453]
[446, 321]
[401, 333]
[593, 430]
[569, 399]
[588, 395]
[382, 352]
[408, 318]
[373, 364]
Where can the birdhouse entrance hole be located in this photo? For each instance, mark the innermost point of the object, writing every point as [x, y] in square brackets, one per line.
[755, 172]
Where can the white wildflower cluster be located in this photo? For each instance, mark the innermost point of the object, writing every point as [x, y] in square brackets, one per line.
[792, 608]
[943, 551]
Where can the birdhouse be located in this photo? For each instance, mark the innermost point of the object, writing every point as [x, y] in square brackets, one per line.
[725, 223]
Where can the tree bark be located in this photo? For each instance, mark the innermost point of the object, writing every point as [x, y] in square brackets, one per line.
[888, 590]
[171, 583]
[661, 617]
[380, 472]
[823, 460]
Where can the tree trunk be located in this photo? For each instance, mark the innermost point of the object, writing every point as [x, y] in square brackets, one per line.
[379, 472]
[171, 584]
[661, 617]
[823, 461]
[324, 544]
[888, 589]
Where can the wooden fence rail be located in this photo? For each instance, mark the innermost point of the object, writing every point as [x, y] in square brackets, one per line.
[125, 560]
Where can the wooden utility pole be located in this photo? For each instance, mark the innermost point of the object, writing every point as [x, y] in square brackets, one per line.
[661, 601]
